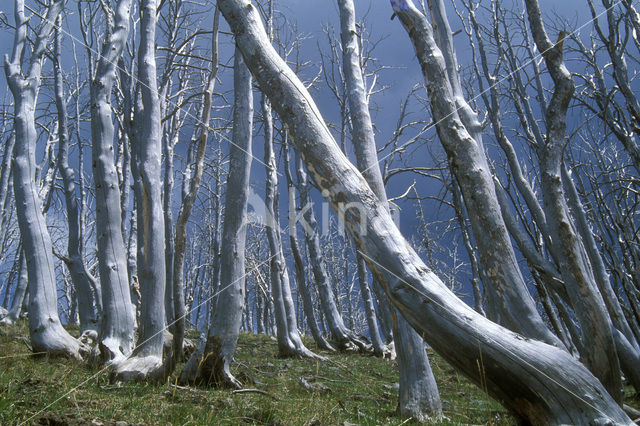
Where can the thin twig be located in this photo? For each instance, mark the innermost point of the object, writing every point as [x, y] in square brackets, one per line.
[260, 391]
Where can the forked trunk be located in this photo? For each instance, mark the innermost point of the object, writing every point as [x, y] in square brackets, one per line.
[146, 364]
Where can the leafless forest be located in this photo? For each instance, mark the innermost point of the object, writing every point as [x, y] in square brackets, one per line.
[169, 165]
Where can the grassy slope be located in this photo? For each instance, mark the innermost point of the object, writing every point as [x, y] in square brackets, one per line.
[360, 391]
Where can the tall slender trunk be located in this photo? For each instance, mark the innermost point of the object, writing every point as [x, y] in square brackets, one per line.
[167, 207]
[508, 300]
[339, 332]
[599, 351]
[191, 194]
[5, 189]
[20, 292]
[418, 393]
[301, 279]
[289, 339]
[211, 366]
[116, 338]
[146, 364]
[369, 308]
[45, 329]
[80, 275]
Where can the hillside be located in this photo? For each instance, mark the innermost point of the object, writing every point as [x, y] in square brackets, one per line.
[352, 389]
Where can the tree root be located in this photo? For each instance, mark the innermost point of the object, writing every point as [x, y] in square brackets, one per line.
[55, 341]
[148, 369]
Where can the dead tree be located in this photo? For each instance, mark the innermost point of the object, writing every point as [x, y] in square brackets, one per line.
[45, 329]
[539, 382]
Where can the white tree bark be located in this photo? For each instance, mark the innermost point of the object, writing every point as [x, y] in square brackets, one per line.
[418, 393]
[190, 197]
[80, 275]
[289, 339]
[599, 352]
[212, 365]
[508, 300]
[146, 364]
[626, 344]
[19, 293]
[538, 382]
[5, 189]
[370, 310]
[340, 335]
[116, 338]
[45, 329]
[303, 287]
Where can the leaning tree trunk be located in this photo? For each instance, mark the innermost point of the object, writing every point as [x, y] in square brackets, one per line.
[80, 275]
[508, 300]
[626, 343]
[116, 338]
[211, 366]
[289, 340]
[146, 364]
[538, 382]
[45, 329]
[599, 350]
[342, 337]
[418, 393]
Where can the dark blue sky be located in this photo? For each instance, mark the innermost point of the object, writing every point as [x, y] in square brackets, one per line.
[394, 50]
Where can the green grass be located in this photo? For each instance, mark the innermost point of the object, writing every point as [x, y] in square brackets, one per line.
[40, 390]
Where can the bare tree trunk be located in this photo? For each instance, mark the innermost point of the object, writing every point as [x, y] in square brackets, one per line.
[190, 198]
[369, 309]
[146, 364]
[5, 178]
[212, 366]
[289, 340]
[167, 208]
[623, 336]
[418, 396]
[19, 293]
[45, 329]
[508, 300]
[116, 338]
[342, 337]
[599, 351]
[303, 289]
[80, 275]
[538, 382]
